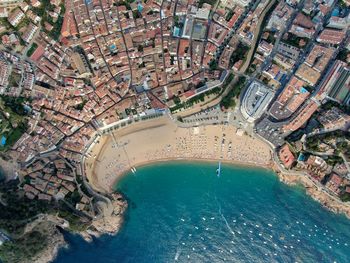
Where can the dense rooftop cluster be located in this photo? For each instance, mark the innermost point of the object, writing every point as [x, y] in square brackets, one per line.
[110, 61]
[308, 71]
[71, 70]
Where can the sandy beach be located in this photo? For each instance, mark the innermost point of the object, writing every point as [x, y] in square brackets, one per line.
[160, 140]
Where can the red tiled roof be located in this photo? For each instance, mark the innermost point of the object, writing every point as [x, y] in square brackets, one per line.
[37, 53]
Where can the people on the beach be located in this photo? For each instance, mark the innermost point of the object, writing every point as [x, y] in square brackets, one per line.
[168, 141]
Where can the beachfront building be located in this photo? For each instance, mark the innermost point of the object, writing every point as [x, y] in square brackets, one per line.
[290, 99]
[302, 117]
[255, 101]
[286, 156]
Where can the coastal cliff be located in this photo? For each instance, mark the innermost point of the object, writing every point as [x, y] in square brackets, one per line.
[109, 223]
[55, 242]
[110, 219]
[32, 229]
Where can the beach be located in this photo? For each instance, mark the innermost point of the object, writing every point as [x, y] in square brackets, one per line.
[162, 139]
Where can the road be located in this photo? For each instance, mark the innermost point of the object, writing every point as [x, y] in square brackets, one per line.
[199, 107]
[256, 37]
[203, 106]
[269, 58]
[251, 6]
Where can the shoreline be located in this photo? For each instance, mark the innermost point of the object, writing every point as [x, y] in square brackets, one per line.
[51, 252]
[161, 140]
[317, 195]
[190, 160]
[136, 146]
[331, 203]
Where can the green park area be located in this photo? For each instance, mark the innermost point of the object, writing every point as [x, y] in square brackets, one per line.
[295, 41]
[17, 212]
[229, 101]
[239, 54]
[13, 121]
[43, 12]
[210, 2]
[32, 49]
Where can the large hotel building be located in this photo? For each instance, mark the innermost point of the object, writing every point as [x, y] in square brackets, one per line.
[336, 86]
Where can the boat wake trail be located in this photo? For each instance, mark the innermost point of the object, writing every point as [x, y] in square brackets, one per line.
[223, 217]
[219, 205]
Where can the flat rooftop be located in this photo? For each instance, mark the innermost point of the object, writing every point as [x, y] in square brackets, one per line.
[255, 101]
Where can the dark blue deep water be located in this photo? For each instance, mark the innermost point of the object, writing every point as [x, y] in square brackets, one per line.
[182, 212]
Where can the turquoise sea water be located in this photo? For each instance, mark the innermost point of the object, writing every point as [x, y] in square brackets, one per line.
[2, 176]
[182, 212]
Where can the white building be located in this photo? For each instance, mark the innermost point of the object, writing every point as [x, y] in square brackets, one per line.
[242, 3]
[15, 17]
[255, 101]
[339, 22]
[10, 3]
[29, 33]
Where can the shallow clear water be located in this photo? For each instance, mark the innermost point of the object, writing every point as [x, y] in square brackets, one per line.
[182, 212]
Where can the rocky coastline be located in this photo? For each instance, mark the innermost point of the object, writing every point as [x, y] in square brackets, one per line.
[50, 252]
[320, 195]
[109, 223]
[112, 220]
